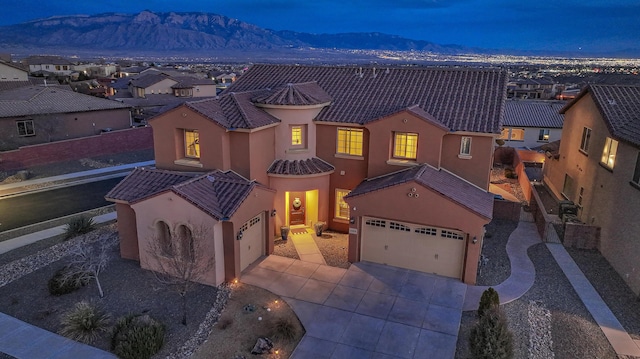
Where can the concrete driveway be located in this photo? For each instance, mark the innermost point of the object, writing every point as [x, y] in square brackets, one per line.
[368, 311]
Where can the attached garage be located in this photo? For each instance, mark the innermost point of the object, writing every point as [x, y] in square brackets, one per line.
[252, 243]
[412, 246]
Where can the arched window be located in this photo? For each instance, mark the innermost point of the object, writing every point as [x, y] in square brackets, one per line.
[186, 242]
[164, 237]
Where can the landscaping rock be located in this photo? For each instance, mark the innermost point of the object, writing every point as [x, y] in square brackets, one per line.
[263, 346]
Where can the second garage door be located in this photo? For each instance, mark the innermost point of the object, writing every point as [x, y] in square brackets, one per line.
[406, 245]
[252, 242]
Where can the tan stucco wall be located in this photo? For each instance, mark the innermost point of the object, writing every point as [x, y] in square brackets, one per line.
[204, 90]
[609, 200]
[168, 135]
[430, 209]
[299, 184]
[291, 116]
[9, 73]
[262, 154]
[162, 87]
[476, 169]
[381, 134]
[127, 232]
[175, 211]
[240, 155]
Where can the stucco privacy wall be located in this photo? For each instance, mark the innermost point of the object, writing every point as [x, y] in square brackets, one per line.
[127, 231]
[430, 209]
[106, 143]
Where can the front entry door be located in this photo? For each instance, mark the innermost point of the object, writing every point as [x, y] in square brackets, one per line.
[296, 208]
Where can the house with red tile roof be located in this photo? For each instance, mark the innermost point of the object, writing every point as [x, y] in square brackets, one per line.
[598, 168]
[399, 158]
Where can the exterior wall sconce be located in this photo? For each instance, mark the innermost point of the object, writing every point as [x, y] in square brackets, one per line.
[475, 240]
[352, 220]
[239, 235]
[273, 212]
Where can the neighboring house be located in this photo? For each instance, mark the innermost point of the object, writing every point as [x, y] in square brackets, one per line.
[598, 168]
[35, 114]
[530, 123]
[42, 65]
[12, 72]
[150, 84]
[399, 158]
[193, 87]
[541, 89]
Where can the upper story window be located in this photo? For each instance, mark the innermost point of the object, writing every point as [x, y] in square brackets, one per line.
[543, 135]
[296, 135]
[349, 141]
[609, 153]
[517, 134]
[636, 173]
[584, 142]
[191, 143]
[25, 128]
[465, 146]
[342, 208]
[504, 134]
[405, 145]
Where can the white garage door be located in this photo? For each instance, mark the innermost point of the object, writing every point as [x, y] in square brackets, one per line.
[406, 245]
[252, 242]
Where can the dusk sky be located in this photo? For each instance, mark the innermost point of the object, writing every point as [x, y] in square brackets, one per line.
[564, 25]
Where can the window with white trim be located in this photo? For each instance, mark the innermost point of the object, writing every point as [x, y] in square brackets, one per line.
[584, 142]
[349, 141]
[191, 144]
[25, 128]
[543, 135]
[342, 208]
[465, 146]
[296, 135]
[609, 153]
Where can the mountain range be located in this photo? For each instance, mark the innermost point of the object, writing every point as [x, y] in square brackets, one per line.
[193, 32]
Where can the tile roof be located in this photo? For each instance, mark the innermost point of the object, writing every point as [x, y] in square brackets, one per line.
[439, 181]
[217, 193]
[419, 112]
[146, 80]
[529, 113]
[309, 166]
[50, 60]
[462, 99]
[34, 100]
[233, 110]
[189, 82]
[144, 182]
[14, 65]
[620, 108]
[303, 94]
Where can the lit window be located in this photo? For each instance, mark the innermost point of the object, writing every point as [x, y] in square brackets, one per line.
[349, 141]
[342, 208]
[586, 136]
[405, 145]
[504, 134]
[636, 173]
[609, 152]
[25, 128]
[296, 136]
[543, 135]
[465, 146]
[517, 134]
[192, 143]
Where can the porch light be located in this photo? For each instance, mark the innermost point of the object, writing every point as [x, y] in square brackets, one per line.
[352, 220]
[273, 212]
[475, 240]
[239, 236]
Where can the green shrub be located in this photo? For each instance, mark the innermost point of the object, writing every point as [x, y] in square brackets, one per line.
[79, 225]
[84, 322]
[490, 338]
[137, 337]
[489, 300]
[283, 329]
[61, 283]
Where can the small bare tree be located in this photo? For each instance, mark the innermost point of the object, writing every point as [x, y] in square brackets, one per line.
[88, 260]
[181, 259]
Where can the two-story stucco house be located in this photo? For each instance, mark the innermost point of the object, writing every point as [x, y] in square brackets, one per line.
[530, 123]
[598, 168]
[399, 158]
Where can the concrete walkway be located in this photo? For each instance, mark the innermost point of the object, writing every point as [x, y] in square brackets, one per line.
[306, 247]
[611, 327]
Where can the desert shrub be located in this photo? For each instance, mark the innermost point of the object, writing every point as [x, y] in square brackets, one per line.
[283, 329]
[61, 283]
[489, 300]
[490, 338]
[79, 225]
[500, 142]
[137, 337]
[84, 322]
[510, 173]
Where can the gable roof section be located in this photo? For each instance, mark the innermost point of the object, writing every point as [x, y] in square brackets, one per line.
[309, 166]
[185, 82]
[439, 181]
[420, 113]
[144, 182]
[217, 193]
[620, 108]
[151, 79]
[14, 65]
[233, 111]
[543, 114]
[462, 99]
[303, 94]
[35, 100]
